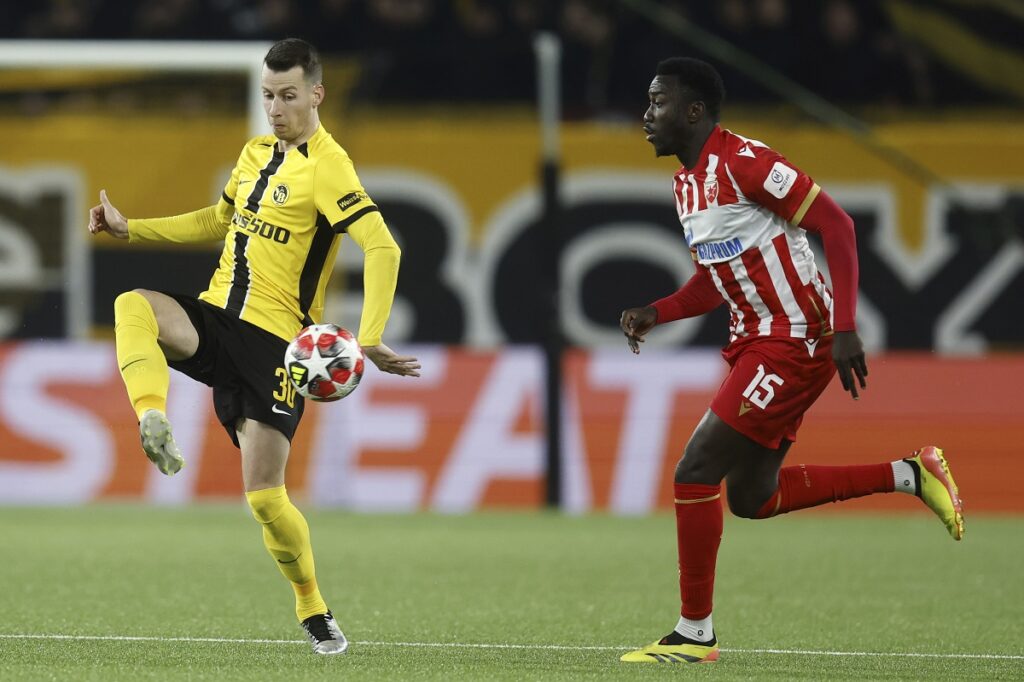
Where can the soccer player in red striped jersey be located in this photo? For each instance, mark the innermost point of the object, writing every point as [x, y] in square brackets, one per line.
[745, 211]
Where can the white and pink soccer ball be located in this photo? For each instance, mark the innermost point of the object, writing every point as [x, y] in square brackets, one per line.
[324, 362]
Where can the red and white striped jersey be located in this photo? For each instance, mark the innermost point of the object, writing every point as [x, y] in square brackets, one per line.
[739, 207]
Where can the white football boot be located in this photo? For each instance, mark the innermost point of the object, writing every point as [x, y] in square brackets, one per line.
[158, 442]
[324, 634]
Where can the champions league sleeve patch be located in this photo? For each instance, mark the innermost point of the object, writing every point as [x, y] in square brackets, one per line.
[780, 180]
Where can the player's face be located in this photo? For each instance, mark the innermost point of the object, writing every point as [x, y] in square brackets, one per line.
[290, 102]
[665, 119]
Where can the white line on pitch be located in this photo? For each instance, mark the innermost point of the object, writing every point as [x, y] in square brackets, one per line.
[465, 645]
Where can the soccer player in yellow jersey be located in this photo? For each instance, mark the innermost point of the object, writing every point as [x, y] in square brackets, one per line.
[291, 197]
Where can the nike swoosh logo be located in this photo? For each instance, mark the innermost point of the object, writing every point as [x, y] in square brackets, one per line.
[288, 562]
[131, 363]
[278, 410]
[242, 182]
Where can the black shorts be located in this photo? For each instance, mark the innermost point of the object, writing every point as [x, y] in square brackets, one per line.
[245, 366]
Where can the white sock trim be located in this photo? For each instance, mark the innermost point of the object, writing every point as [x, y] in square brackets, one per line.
[697, 630]
[903, 477]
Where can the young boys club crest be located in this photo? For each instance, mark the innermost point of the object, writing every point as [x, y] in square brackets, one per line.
[280, 194]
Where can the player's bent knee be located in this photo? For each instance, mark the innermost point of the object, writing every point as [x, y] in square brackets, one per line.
[267, 504]
[743, 509]
[696, 467]
[133, 295]
[127, 299]
[132, 303]
[747, 503]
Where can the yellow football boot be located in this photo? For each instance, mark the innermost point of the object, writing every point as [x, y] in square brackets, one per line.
[937, 489]
[686, 652]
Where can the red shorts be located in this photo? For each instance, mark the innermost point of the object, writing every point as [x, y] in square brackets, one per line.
[771, 383]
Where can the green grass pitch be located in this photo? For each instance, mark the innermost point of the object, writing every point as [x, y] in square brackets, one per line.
[503, 596]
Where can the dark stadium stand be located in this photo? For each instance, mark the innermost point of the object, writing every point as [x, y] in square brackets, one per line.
[869, 53]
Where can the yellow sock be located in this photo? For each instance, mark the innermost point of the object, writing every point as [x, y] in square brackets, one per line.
[142, 363]
[286, 536]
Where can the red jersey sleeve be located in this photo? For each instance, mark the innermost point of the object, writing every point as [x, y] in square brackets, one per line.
[837, 235]
[765, 176]
[696, 297]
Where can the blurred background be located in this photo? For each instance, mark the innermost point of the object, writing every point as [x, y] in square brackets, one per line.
[528, 222]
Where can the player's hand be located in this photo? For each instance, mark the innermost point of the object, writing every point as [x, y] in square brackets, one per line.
[848, 354]
[106, 218]
[392, 363]
[635, 323]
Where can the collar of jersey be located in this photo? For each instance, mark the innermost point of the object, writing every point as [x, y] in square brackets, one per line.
[716, 132]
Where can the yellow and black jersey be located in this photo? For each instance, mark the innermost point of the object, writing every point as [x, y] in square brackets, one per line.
[281, 217]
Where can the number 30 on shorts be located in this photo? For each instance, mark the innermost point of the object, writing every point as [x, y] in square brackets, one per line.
[286, 391]
[761, 389]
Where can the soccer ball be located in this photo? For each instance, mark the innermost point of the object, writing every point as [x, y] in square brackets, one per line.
[324, 362]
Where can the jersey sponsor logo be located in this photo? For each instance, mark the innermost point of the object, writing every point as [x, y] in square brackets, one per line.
[780, 180]
[811, 345]
[261, 227]
[745, 407]
[712, 251]
[277, 410]
[280, 194]
[745, 150]
[351, 199]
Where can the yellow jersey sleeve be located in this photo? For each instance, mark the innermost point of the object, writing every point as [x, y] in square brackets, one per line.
[381, 257]
[340, 197]
[208, 224]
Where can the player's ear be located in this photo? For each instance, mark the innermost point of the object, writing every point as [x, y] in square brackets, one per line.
[695, 112]
[318, 94]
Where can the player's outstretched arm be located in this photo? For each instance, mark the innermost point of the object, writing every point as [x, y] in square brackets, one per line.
[106, 218]
[205, 225]
[388, 361]
[696, 297]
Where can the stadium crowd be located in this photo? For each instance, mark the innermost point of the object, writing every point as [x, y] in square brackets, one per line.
[848, 51]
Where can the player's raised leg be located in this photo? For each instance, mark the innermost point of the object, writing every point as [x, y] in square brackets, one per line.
[925, 474]
[149, 327]
[285, 531]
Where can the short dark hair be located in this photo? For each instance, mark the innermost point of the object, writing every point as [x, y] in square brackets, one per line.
[286, 54]
[700, 78]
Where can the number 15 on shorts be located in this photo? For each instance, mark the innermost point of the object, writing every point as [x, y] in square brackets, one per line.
[761, 389]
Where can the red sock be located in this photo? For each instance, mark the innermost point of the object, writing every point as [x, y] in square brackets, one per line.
[698, 534]
[808, 486]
